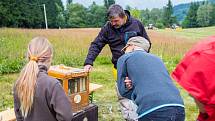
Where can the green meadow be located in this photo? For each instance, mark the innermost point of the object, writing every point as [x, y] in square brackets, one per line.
[71, 47]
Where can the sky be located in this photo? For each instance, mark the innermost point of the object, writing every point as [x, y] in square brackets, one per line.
[139, 4]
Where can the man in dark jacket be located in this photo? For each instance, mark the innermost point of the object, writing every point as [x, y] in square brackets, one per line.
[116, 32]
[150, 87]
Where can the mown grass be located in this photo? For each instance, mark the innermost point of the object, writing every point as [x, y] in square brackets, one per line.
[194, 34]
[70, 48]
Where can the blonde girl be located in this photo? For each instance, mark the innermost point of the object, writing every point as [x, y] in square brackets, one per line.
[38, 97]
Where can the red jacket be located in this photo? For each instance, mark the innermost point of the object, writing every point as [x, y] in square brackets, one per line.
[196, 74]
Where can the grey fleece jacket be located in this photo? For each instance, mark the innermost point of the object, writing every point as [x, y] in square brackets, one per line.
[50, 101]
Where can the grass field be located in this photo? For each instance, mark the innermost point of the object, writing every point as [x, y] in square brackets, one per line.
[70, 48]
[192, 34]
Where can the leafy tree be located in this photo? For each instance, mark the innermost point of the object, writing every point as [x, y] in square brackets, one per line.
[96, 15]
[168, 18]
[7, 14]
[213, 15]
[191, 19]
[76, 15]
[29, 13]
[108, 3]
[136, 13]
[204, 15]
[60, 16]
[159, 25]
[52, 10]
[69, 1]
[145, 16]
[156, 15]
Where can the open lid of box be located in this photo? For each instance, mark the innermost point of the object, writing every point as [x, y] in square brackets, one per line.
[65, 71]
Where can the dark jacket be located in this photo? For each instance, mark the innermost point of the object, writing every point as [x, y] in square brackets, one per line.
[50, 101]
[152, 85]
[115, 38]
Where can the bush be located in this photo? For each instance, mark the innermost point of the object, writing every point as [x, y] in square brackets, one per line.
[159, 25]
[11, 65]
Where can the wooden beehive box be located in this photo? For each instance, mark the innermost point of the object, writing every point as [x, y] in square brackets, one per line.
[75, 83]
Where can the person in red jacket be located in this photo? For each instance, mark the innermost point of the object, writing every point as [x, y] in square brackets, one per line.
[195, 73]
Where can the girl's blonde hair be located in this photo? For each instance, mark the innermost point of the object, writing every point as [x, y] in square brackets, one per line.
[39, 53]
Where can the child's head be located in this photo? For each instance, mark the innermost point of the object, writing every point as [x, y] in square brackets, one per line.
[39, 53]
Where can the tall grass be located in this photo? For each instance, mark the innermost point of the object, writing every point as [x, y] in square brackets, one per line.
[71, 47]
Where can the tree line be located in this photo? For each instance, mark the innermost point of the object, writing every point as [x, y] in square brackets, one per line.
[30, 14]
[160, 18]
[200, 14]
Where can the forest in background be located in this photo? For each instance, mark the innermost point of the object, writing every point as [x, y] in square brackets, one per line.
[30, 14]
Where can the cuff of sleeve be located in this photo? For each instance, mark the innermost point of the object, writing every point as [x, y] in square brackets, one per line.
[88, 62]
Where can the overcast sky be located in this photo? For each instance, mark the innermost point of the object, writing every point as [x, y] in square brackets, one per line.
[140, 4]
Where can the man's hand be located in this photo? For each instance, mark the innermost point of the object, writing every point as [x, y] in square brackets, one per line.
[128, 83]
[88, 68]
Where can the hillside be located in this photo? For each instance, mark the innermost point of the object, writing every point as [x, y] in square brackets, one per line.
[181, 10]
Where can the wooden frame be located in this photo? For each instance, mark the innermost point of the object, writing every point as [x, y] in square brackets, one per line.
[74, 78]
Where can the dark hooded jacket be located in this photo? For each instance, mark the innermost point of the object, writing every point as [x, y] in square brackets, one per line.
[115, 38]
